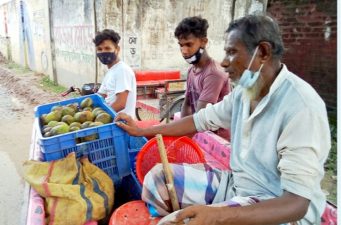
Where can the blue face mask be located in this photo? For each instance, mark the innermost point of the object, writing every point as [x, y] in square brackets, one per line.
[106, 57]
[194, 59]
[249, 78]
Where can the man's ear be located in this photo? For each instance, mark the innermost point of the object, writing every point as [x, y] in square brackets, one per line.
[118, 48]
[265, 50]
[204, 42]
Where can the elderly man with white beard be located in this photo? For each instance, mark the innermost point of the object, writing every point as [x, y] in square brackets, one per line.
[279, 136]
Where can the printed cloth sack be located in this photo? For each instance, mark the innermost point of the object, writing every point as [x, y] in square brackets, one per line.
[75, 191]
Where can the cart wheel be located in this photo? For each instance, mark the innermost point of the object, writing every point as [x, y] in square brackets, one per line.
[143, 114]
[174, 107]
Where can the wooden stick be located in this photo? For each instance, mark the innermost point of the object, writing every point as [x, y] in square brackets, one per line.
[168, 173]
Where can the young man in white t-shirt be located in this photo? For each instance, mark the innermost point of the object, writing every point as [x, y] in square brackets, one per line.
[119, 84]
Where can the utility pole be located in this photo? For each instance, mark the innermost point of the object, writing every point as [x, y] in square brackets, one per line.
[53, 51]
[24, 39]
[95, 26]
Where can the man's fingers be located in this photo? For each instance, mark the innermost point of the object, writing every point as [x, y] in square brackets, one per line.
[127, 123]
[124, 118]
[184, 215]
[121, 116]
[121, 125]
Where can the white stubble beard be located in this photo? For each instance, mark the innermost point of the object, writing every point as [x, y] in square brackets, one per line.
[253, 92]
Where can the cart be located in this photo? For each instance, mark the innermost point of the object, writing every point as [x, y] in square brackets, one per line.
[160, 94]
[217, 154]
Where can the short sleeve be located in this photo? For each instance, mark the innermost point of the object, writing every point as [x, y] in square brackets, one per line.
[212, 86]
[124, 81]
[188, 82]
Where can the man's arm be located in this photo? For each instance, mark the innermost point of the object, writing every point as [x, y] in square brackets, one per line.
[201, 105]
[186, 108]
[184, 126]
[287, 208]
[120, 102]
[210, 118]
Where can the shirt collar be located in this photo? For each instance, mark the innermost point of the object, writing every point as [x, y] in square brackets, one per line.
[282, 75]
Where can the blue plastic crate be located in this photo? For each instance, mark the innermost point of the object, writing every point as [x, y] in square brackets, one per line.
[68, 140]
[109, 152]
[134, 146]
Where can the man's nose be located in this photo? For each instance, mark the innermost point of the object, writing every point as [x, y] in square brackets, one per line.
[225, 63]
[184, 50]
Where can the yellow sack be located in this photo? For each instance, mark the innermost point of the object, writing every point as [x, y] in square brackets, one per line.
[75, 191]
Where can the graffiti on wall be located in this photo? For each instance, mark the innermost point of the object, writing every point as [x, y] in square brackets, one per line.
[74, 43]
[79, 57]
[75, 37]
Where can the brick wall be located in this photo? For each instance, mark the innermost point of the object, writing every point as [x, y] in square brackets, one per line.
[309, 35]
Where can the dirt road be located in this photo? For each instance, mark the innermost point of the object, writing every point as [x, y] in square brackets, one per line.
[19, 95]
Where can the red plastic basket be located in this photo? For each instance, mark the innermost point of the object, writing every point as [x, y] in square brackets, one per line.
[179, 150]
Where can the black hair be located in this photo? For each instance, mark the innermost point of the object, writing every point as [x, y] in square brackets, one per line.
[256, 28]
[195, 25]
[106, 34]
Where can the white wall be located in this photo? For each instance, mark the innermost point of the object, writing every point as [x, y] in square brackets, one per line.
[73, 31]
[146, 28]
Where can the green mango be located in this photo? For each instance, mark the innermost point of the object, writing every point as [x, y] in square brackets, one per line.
[74, 128]
[60, 129]
[85, 124]
[52, 116]
[75, 124]
[104, 118]
[68, 111]
[52, 123]
[87, 102]
[68, 119]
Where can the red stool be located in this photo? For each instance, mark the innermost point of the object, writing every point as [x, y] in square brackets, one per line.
[133, 213]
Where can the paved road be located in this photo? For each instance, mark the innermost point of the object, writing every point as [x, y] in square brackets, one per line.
[16, 120]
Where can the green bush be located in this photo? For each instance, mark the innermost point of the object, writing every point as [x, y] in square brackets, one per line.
[331, 163]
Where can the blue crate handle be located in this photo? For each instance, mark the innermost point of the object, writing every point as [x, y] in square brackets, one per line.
[86, 132]
[122, 160]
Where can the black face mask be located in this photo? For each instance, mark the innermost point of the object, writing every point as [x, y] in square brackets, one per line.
[194, 59]
[106, 57]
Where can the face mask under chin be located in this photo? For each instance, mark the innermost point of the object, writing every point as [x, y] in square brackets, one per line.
[252, 92]
[194, 59]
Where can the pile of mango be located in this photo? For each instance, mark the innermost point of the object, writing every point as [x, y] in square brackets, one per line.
[72, 117]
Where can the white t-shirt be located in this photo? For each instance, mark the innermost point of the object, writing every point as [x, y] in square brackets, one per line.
[119, 78]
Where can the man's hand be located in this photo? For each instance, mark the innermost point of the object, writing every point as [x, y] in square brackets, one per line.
[198, 215]
[125, 122]
[284, 209]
